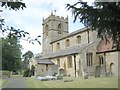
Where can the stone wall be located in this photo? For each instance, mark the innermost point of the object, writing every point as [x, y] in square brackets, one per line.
[64, 65]
[73, 40]
[42, 70]
[112, 63]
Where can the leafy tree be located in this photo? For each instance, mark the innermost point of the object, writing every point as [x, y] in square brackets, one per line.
[32, 70]
[11, 53]
[27, 56]
[27, 73]
[15, 5]
[11, 59]
[104, 17]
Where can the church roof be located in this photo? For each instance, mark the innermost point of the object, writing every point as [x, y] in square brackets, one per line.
[71, 34]
[44, 61]
[69, 51]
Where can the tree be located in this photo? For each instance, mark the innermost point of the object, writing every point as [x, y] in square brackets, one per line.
[104, 17]
[15, 5]
[27, 56]
[9, 61]
[11, 53]
[32, 70]
[12, 4]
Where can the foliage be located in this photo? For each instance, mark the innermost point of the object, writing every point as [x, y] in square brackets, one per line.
[10, 45]
[16, 32]
[11, 53]
[15, 5]
[5, 73]
[104, 17]
[27, 56]
[27, 73]
[32, 70]
[34, 40]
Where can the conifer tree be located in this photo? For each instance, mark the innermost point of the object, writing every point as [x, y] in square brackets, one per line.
[104, 17]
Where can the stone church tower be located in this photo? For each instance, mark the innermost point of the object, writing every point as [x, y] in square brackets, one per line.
[53, 28]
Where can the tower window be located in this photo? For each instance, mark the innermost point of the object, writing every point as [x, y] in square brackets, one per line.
[67, 43]
[57, 46]
[46, 30]
[78, 39]
[89, 59]
[60, 28]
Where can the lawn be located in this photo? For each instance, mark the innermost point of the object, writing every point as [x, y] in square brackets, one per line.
[3, 83]
[16, 76]
[75, 82]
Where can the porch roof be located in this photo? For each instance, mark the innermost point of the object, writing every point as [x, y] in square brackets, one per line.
[44, 61]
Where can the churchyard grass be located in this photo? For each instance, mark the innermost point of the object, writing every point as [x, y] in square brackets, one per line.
[3, 83]
[16, 76]
[75, 82]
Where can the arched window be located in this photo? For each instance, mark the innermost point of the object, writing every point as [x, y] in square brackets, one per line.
[58, 46]
[60, 27]
[78, 39]
[89, 58]
[67, 43]
[46, 30]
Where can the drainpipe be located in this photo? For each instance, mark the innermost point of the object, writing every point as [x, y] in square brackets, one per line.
[75, 64]
[105, 64]
[88, 36]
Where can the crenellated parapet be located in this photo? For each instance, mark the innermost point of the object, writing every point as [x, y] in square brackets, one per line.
[54, 17]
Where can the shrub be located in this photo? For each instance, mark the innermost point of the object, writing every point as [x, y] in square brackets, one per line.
[27, 73]
[5, 73]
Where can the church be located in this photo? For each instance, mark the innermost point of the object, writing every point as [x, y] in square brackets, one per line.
[74, 54]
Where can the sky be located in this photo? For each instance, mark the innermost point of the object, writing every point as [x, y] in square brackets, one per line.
[30, 19]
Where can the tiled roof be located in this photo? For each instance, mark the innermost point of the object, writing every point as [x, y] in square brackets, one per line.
[105, 46]
[44, 61]
[69, 51]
